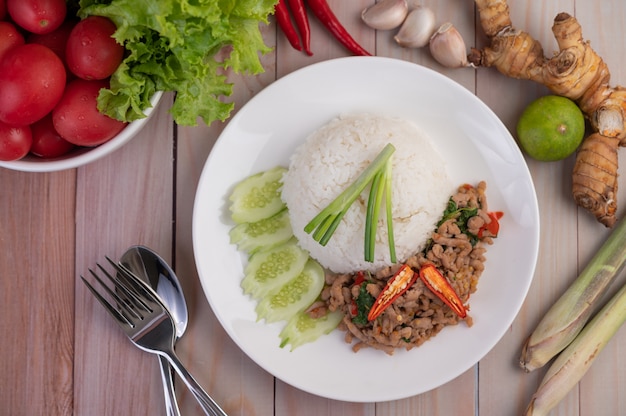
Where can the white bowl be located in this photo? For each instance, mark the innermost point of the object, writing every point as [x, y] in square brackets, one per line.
[85, 155]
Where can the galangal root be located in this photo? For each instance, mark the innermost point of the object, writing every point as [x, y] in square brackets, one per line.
[575, 72]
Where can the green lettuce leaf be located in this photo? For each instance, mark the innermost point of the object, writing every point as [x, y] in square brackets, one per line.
[185, 46]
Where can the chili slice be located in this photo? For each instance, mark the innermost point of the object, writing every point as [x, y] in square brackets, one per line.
[302, 22]
[438, 284]
[284, 22]
[323, 12]
[396, 286]
[360, 278]
[494, 226]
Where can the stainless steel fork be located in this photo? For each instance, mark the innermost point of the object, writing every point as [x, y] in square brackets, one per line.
[147, 323]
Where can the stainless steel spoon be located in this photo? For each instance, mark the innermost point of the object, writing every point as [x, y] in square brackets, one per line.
[151, 268]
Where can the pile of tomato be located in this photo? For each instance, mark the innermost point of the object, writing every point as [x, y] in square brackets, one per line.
[52, 67]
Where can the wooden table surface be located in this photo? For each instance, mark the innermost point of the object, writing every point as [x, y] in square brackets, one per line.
[60, 354]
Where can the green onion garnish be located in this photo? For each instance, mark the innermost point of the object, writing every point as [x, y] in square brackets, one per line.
[390, 238]
[378, 173]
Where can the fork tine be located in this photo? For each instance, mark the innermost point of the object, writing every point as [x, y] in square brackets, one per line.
[124, 285]
[119, 317]
[141, 290]
[155, 332]
[123, 304]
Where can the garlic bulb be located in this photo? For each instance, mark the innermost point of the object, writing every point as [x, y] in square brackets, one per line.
[417, 28]
[414, 4]
[448, 47]
[386, 14]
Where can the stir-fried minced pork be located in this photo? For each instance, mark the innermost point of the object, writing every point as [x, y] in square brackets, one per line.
[457, 248]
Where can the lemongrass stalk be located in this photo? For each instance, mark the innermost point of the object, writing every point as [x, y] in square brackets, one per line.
[330, 216]
[570, 366]
[565, 319]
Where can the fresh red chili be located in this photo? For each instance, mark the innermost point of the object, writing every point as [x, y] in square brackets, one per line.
[493, 227]
[438, 284]
[323, 12]
[284, 22]
[360, 278]
[302, 22]
[396, 286]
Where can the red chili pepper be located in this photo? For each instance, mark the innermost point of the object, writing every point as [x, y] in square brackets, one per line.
[438, 284]
[396, 286]
[354, 309]
[322, 11]
[360, 278]
[302, 22]
[284, 22]
[494, 226]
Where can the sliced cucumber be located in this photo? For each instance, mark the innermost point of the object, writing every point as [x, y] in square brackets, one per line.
[302, 329]
[293, 296]
[264, 234]
[267, 270]
[258, 196]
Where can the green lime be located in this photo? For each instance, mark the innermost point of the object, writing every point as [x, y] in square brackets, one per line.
[551, 128]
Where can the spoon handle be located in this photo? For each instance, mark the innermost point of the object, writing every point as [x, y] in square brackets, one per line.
[209, 405]
[171, 405]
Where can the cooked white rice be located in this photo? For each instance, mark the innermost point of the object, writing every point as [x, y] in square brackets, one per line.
[334, 156]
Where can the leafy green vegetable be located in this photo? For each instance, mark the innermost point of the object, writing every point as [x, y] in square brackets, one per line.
[364, 303]
[461, 216]
[184, 46]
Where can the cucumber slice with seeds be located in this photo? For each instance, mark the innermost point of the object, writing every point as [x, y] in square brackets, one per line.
[258, 196]
[264, 234]
[302, 329]
[294, 296]
[268, 270]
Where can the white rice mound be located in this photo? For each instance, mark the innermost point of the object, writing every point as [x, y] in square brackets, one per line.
[331, 159]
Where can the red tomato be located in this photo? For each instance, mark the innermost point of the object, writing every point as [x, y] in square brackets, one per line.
[14, 141]
[32, 79]
[9, 37]
[77, 118]
[91, 51]
[37, 16]
[47, 142]
[55, 40]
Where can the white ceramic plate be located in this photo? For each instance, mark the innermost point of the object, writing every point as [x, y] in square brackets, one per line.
[83, 155]
[477, 146]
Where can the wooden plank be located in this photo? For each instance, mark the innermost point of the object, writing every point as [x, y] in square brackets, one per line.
[436, 402]
[508, 97]
[290, 400]
[229, 376]
[121, 200]
[601, 389]
[559, 253]
[36, 292]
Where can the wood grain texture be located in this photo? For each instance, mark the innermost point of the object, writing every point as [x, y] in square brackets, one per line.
[121, 200]
[36, 292]
[67, 357]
